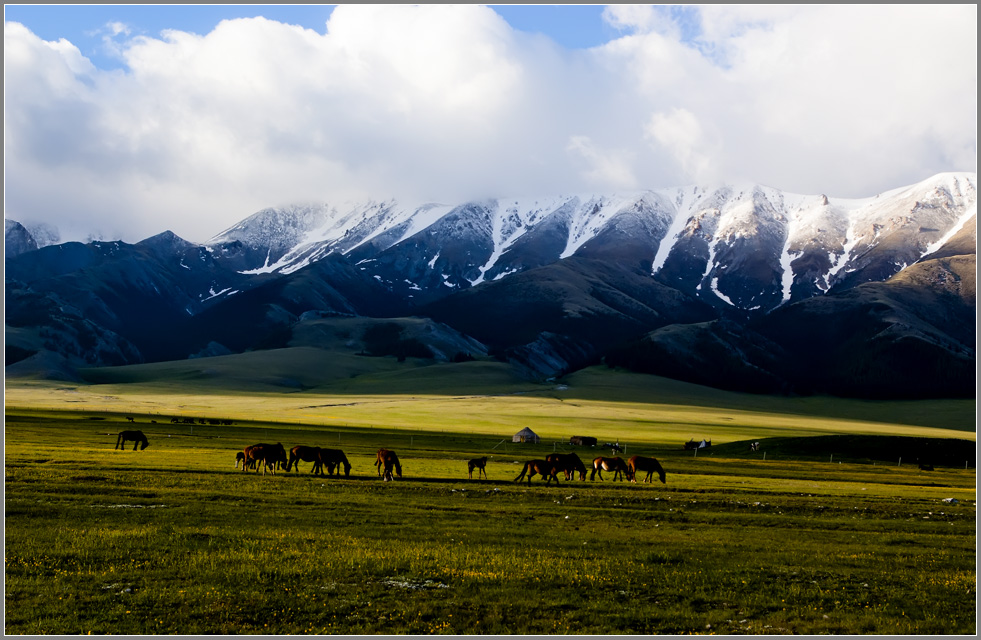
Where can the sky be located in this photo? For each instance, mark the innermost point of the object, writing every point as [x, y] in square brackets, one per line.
[122, 121]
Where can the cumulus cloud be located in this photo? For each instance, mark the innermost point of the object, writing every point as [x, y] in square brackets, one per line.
[680, 134]
[446, 103]
[603, 168]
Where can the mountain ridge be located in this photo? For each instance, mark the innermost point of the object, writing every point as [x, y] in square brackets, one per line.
[548, 283]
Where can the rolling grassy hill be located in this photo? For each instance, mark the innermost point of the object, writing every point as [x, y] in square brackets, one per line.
[331, 387]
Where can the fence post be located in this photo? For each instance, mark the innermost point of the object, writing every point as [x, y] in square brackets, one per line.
[900, 462]
[832, 457]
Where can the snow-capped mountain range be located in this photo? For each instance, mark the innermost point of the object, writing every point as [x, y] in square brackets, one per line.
[747, 247]
[762, 289]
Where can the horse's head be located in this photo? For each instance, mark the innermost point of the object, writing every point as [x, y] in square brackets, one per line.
[660, 473]
[347, 469]
[144, 445]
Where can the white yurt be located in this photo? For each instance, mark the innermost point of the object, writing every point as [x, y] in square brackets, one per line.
[526, 435]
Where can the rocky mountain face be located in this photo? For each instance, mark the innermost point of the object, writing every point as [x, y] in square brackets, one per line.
[16, 239]
[732, 285]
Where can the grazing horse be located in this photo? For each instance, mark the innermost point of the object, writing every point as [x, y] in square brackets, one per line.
[650, 465]
[541, 467]
[385, 461]
[479, 464]
[306, 454]
[616, 465]
[334, 458]
[240, 459]
[264, 455]
[139, 440]
[568, 463]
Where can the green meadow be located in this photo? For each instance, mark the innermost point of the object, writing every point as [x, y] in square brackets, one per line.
[831, 527]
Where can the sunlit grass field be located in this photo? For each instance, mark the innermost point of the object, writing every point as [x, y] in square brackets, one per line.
[175, 540]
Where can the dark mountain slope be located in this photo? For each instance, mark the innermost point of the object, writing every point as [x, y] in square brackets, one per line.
[591, 301]
[264, 316]
[912, 336]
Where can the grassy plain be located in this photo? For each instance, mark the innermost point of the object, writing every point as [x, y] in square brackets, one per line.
[173, 539]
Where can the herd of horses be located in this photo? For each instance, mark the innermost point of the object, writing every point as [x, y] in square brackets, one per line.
[570, 466]
[274, 456]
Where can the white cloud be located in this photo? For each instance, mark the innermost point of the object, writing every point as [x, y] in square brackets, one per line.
[680, 134]
[448, 102]
[604, 168]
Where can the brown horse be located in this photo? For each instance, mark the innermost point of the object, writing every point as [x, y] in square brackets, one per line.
[650, 465]
[479, 464]
[306, 454]
[265, 455]
[540, 467]
[385, 461]
[619, 468]
[334, 459]
[569, 463]
[139, 440]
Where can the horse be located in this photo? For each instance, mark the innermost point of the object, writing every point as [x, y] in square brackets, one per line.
[650, 465]
[616, 465]
[306, 454]
[334, 458]
[542, 467]
[479, 464]
[139, 440]
[569, 463]
[239, 459]
[269, 455]
[385, 461]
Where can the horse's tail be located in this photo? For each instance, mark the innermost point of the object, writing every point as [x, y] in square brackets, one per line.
[523, 472]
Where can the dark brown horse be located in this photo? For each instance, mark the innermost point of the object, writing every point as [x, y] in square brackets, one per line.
[479, 464]
[386, 461]
[619, 468]
[649, 465]
[569, 463]
[240, 459]
[139, 440]
[305, 454]
[334, 459]
[543, 468]
[264, 455]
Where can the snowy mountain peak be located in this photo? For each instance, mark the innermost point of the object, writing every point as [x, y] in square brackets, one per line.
[739, 246]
